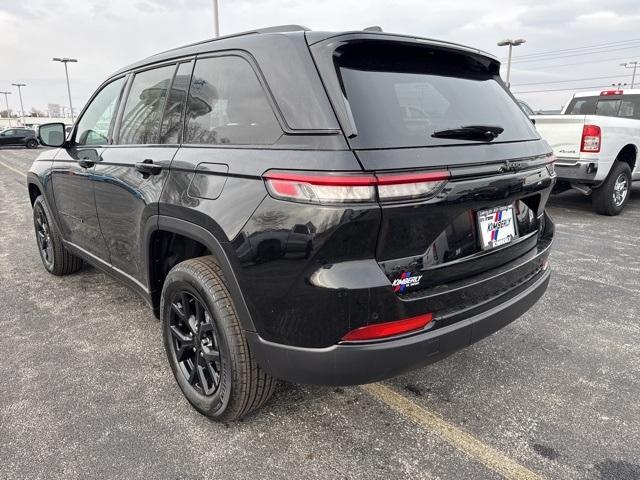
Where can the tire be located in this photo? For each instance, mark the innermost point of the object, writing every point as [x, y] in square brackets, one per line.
[55, 257]
[207, 342]
[608, 199]
[32, 143]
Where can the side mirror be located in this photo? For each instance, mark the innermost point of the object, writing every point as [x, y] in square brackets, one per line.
[51, 134]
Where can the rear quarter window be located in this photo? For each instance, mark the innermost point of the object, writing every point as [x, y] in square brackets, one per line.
[227, 105]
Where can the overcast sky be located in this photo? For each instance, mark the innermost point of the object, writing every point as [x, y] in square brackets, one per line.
[106, 35]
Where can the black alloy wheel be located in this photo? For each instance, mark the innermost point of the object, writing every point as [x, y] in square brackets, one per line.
[195, 344]
[43, 236]
[32, 143]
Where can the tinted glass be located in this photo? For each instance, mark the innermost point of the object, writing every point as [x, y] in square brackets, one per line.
[608, 107]
[630, 106]
[399, 96]
[626, 106]
[227, 105]
[174, 110]
[582, 106]
[144, 106]
[93, 127]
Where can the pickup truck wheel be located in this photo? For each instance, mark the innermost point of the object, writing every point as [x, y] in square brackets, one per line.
[611, 197]
[206, 346]
[55, 257]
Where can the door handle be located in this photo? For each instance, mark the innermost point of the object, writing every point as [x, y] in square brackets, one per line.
[147, 167]
[86, 163]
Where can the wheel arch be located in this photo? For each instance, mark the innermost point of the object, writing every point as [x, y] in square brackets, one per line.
[629, 155]
[160, 225]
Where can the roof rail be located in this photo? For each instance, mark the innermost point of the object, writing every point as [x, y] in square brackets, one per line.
[278, 28]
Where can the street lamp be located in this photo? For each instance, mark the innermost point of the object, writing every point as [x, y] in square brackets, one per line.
[216, 25]
[66, 60]
[20, 85]
[633, 65]
[511, 43]
[6, 101]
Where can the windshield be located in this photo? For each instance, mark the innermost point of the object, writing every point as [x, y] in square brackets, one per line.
[400, 95]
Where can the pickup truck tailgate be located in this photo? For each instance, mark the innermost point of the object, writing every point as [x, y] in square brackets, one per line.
[562, 132]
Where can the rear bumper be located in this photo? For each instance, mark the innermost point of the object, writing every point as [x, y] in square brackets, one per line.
[351, 364]
[586, 171]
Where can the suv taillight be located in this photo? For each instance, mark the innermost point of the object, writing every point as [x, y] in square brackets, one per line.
[335, 188]
[591, 137]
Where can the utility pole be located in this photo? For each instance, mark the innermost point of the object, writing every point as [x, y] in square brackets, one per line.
[6, 101]
[216, 23]
[66, 60]
[20, 85]
[633, 65]
[511, 43]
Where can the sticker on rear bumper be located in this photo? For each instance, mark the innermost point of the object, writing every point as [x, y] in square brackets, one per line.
[406, 280]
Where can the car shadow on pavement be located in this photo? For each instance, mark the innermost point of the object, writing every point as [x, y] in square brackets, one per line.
[574, 200]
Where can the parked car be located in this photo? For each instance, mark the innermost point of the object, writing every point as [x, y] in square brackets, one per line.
[306, 226]
[596, 141]
[18, 137]
[526, 108]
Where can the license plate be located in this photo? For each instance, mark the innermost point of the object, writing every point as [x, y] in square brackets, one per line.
[497, 226]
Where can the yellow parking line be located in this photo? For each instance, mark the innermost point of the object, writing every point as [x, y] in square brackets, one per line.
[488, 456]
[13, 169]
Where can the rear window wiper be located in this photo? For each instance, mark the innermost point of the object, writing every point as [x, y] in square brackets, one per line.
[470, 132]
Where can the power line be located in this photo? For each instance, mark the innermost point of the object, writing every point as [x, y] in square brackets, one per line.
[582, 63]
[599, 45]
[529, 60]
[592, 87]
[569, 81]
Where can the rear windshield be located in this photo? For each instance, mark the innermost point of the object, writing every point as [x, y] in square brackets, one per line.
[612, 106]
[400, 95]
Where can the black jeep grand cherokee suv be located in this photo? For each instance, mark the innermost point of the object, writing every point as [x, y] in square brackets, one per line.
[329, 208]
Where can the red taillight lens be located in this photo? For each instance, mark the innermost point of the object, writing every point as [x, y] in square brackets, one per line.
[606, 93]
[332, 188]
[388, 329]
[406, 186]
[591, 137]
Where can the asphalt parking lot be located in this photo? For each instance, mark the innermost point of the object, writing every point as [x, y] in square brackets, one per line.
[86, 391]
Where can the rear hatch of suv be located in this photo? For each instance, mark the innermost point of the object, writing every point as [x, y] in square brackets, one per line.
[476, 175]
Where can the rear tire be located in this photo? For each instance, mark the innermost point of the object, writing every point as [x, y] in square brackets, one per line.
[206, 346]
[55, 257]
[32, 143]
[611, 197]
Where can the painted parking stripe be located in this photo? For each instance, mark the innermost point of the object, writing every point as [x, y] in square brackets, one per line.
[481, 452]
[13, 169]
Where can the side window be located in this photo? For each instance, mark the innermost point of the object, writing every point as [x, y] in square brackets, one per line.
[174, 110]
[227, 105]
[143, 108]
[630, 106]
[93, 127]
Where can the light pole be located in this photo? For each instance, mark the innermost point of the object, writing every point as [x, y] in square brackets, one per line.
[216, 25]
[20, 85]
[511, 43]
[66, 60]
[633, 65]
[6, 101]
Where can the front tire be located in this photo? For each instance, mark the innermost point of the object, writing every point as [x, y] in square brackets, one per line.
[32, 143]
[206, 346]
[55, 257]
[611, 197]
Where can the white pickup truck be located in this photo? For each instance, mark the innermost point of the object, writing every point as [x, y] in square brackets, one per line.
[596, 141]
